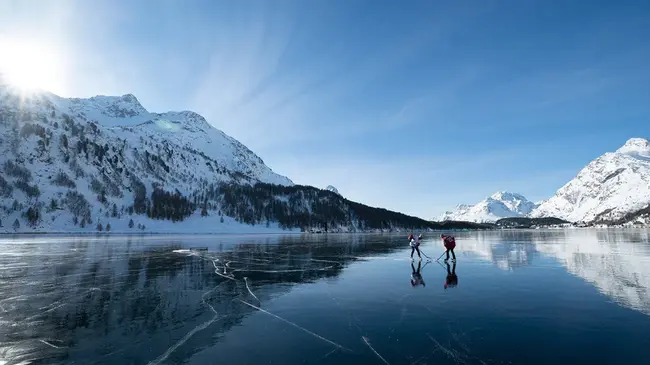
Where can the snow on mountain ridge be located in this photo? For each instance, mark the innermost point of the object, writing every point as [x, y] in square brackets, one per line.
[332, 189]
[609, 187]
[124, 115]
[450, 215]
[636, 147]
[499, 205]
[514, 202]
[114, 106]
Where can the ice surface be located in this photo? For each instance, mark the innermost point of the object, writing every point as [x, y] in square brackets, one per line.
[332, 299]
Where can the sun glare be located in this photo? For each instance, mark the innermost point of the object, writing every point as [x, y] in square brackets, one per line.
[29, 66]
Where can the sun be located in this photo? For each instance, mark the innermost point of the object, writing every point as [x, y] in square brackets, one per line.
[30, 66]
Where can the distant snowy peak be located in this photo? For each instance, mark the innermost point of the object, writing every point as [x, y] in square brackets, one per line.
[507, 196]
[516, 203]
[608, 188]
[499, 205]
[332, 189]
[638, 147]
[450, 215]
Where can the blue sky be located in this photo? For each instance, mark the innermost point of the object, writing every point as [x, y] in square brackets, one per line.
[413, 106]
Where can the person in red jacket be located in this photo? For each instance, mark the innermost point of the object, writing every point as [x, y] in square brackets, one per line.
[450, 244]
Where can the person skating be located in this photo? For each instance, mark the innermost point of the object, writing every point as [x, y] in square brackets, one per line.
[450, 243]
[414, 246]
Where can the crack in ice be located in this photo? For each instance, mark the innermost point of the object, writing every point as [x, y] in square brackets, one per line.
[297, 326]
[365, 339]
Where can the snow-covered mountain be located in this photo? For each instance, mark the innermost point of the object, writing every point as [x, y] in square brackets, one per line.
[608, 188]
[499, 205]
[89, 160]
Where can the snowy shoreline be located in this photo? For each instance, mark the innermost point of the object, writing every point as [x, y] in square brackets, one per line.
[269, 232]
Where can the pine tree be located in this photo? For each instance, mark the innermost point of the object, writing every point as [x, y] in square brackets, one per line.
[131, 223]
[221, 219]
[100, 227]
[114, 212]
[204, 210]
[83, 223]
[33, 215]
[102, 197]
[108, 227]
[16, 225]
[75, 220]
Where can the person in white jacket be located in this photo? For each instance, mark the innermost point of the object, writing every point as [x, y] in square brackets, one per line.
[415, 245]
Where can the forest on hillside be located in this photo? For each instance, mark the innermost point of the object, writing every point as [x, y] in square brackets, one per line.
[305, 207]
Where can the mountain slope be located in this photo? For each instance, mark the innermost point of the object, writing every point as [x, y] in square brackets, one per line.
[499, 205]
[607, 189]
[106, 163]
[70, 163]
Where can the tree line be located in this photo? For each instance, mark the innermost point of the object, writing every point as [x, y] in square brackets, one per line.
[305, 207]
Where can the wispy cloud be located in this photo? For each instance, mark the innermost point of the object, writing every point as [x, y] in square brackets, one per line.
[264, 87]
[545, 89]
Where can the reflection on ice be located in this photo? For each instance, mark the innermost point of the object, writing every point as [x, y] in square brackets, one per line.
[117, 298]
[509, 250]
[617, 262]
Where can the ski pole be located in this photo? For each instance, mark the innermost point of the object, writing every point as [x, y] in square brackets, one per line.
[425, 255]
[440, 256]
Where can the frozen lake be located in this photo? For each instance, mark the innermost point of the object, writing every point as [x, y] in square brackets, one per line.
[522, 297]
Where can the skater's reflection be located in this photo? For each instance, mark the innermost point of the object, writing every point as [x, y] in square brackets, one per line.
[452, 279]
[416, 276]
